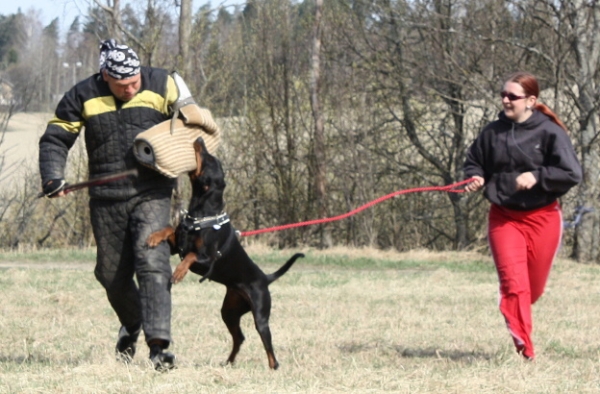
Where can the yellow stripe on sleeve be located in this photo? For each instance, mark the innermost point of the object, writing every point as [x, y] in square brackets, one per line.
[71, 127]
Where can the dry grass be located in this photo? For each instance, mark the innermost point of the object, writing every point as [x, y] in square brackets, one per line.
[428, 328]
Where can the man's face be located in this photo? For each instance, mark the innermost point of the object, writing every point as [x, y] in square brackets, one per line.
[123, 89]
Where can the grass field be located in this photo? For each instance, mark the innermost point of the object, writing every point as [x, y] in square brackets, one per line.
[343, 321]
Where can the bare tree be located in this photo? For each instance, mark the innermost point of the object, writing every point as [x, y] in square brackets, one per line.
[326, 106]
[415, 56]
[320, 171]
[185, 32]
[115, 24]
[274, 55]
[147, 40]
[560, 41]
[583, 21]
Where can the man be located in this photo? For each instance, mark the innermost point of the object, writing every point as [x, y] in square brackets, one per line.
[115, 105]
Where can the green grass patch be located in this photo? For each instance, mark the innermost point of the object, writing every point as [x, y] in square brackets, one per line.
[49, 255]
[360, 261]
[314, 258]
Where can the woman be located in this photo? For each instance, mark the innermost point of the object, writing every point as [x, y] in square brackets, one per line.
[525, 161]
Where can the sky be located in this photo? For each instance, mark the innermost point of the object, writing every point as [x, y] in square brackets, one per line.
[67, 10]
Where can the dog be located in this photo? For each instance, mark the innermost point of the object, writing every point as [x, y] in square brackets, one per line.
[208, 246]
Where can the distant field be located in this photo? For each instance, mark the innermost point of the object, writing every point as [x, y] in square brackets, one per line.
[343, 321]
[20, 145]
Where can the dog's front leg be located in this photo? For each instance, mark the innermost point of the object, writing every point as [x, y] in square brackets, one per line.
[161, 235]
[182, 268]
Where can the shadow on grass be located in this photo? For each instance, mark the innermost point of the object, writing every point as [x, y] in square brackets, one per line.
[36, 359]
[454, 355]
[407, 352]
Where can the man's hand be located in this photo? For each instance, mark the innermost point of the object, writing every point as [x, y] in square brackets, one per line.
[525, 181]
[54, 188]
[475, 185]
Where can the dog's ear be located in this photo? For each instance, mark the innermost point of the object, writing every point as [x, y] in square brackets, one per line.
[199, 145]
[199, 149]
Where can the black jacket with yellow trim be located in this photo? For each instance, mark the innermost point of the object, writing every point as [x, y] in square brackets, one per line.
[110, 127]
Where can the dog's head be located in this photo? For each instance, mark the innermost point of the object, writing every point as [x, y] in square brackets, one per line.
[208, 182]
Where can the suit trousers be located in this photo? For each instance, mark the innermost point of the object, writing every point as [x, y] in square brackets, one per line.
[121, 228]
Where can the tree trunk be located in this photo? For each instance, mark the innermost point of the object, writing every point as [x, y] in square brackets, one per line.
[184, 69]
[115, 24]
[185, 31]
[320, 184]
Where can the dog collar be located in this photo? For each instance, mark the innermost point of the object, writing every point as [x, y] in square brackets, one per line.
[196, 224]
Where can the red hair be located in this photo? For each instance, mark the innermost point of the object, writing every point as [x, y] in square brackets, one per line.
[530, 86]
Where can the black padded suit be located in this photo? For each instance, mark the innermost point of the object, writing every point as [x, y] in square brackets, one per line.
[124, 212]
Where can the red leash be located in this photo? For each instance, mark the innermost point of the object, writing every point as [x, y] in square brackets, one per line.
[448, 188]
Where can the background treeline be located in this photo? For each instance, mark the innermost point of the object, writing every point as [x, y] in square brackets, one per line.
[326, 106]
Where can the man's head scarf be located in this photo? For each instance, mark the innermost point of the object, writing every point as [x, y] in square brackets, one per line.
[119, 61]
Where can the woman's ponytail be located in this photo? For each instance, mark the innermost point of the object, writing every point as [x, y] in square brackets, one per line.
[543, 108]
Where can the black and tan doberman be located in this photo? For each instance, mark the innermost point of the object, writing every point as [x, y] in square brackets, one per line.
[209, 247]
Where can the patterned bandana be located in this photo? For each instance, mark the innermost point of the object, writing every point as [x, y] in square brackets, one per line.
[119, 61]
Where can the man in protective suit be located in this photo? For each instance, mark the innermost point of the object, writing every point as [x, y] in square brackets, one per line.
[114, 106]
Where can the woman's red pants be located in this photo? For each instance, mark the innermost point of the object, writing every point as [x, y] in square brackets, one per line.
[523, 245]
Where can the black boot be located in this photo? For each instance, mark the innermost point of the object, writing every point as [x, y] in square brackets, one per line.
[161, 359]
[125, 349]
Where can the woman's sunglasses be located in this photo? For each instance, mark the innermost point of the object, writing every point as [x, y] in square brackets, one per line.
[511, 97]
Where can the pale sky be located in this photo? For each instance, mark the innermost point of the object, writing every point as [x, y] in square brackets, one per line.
[67, 10]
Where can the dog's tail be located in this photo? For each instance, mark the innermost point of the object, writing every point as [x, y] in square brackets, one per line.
[284, 268]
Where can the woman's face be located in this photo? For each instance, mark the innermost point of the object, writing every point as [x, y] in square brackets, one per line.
[516, 102]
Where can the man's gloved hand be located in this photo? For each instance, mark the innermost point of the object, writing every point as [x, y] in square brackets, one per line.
[53, 187]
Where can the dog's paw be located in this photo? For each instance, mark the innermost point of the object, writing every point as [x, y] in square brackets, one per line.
[178, 275]
[157, 237]
[154, 239]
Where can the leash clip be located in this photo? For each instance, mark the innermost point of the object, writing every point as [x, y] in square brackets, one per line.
[217, 227]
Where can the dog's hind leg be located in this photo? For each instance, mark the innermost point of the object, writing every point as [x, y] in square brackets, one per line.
[234, 306]
[261, 301]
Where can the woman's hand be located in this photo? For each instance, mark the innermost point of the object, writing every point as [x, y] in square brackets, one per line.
[525, 181]
[475, 185]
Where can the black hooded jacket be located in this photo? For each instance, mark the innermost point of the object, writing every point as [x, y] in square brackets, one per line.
[110, 129]
[505, 149]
